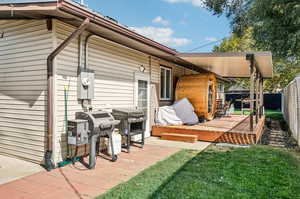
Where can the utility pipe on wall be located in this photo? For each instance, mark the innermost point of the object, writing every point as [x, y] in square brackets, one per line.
[49, 165]
[86, 49]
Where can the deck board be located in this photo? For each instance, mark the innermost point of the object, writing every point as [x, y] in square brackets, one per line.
[233, 129]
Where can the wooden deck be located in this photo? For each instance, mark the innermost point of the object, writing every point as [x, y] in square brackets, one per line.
[231, 129]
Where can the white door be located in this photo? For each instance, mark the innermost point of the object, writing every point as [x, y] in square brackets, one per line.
[142, 96]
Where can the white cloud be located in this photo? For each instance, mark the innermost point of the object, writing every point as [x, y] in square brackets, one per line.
[198, 3]
[161, 35]
[160, 20]
[183, 22]
[211, 39]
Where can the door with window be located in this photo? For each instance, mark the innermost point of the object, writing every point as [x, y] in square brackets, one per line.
[142, 96]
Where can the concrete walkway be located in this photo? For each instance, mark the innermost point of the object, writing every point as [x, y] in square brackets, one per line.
[76, 182]
[12, 169]
[199, 146]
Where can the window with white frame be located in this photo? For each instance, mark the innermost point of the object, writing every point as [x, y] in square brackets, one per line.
[165, 83]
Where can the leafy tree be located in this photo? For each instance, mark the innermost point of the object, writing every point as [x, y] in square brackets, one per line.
[237, 43]
[285, 69]
[260, 25]
[284, 72]
[275, 23]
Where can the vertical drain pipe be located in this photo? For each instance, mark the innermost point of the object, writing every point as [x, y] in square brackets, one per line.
[49, 165]
[86, 49]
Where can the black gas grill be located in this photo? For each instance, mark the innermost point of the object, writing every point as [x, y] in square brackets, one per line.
[101, 124]
[133, 122]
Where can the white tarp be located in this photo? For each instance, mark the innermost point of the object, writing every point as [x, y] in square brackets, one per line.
[291, 107]
[166, 115]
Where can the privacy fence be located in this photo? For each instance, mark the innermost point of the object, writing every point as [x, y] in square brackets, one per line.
[291, 107]
[272, 101]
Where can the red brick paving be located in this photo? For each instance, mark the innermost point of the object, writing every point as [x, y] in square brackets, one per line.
[76, 182]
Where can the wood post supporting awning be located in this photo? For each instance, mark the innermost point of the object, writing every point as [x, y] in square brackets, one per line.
[254, 65]
[256, 91]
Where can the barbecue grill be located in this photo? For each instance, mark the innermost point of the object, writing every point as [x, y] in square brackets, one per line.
[133, 122]
[101, 124]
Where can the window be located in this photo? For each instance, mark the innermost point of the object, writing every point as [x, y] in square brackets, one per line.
[165, 83]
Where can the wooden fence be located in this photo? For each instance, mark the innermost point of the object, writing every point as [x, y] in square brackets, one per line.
[291, 107]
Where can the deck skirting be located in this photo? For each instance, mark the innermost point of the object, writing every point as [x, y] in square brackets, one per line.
[234, 129]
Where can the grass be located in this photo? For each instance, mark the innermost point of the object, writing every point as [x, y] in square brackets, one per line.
[272, 114]
[255, 172]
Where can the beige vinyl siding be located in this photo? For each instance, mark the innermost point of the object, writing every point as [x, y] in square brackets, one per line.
[155, 70]
[114, 66]
[23, 84]
[177, 72]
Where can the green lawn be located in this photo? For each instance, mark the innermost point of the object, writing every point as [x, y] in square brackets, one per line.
[276, 115]
[256, 172]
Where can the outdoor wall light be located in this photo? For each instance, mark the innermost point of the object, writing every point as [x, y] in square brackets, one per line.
[142, 68]
[1, 34]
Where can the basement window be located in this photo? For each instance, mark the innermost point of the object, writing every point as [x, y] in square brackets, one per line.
[165, 83]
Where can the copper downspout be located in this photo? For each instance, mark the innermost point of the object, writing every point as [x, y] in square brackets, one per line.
[48, 155]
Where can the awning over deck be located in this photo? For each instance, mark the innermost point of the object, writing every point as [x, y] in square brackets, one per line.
[231, 65]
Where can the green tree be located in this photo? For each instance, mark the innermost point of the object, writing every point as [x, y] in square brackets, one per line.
[237, 43]
[260, 25]
[285, 69]
[275, 23]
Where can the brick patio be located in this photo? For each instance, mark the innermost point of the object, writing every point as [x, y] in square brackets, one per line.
[76, 182]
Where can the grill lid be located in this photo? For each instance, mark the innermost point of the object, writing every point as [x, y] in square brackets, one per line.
[129, 111]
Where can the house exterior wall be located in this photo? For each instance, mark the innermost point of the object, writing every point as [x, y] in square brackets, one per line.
[23, 88]
[177, 72]
[23, 83]
[114, 66]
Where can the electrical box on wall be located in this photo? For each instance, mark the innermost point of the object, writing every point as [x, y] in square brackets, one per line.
[85, 84]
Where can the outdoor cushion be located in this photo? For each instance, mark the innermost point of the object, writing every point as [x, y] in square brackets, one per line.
[166, 116]
[185, 111]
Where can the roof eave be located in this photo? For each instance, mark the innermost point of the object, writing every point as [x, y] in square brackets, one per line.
[78, 11]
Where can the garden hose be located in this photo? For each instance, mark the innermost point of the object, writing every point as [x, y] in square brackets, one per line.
[66, 88]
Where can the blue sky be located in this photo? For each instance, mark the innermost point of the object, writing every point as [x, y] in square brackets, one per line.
[179, 24]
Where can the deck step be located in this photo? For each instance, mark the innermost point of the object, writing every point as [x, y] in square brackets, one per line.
[179, 137]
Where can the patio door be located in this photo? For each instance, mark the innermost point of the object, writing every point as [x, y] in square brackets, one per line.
[142, 96]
